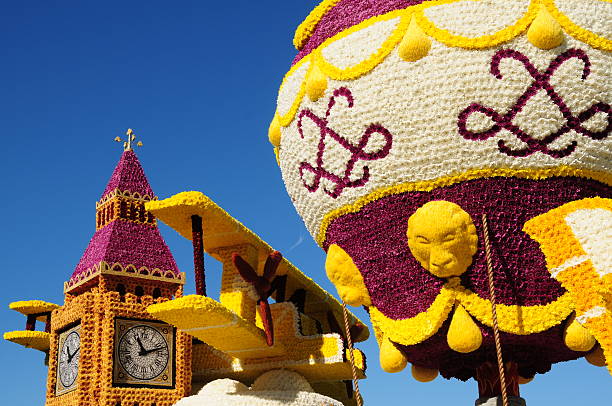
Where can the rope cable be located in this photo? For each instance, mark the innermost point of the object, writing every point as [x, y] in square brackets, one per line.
[498, 350]
[350, 353]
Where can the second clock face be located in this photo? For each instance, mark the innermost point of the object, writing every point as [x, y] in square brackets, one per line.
[68, 356]
[69, 359]
[143, 352]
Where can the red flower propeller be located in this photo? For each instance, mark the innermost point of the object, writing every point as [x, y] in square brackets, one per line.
[262, 285]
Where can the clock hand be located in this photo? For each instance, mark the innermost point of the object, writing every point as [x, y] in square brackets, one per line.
[68, 353]
[142, 351]
[74, 353]
[153, 350]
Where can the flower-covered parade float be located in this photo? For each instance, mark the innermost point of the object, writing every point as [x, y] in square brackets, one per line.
[126, 335]
[453, 160]
[451, 157]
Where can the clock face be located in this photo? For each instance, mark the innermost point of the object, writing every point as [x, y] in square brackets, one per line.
[144, 353]
[69, 354]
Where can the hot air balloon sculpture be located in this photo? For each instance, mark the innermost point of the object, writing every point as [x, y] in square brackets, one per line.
[453, 160]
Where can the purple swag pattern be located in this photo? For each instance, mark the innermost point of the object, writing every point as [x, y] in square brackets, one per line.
[358, 152]
[540, 81]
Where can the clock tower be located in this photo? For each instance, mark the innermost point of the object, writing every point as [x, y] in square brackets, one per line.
[105, 349]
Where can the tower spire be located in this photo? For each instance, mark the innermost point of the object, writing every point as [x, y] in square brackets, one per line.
[126, 238]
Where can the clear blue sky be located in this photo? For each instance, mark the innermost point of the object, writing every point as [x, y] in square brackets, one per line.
[197, 81]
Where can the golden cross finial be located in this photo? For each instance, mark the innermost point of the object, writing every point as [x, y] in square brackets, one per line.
[127, 145]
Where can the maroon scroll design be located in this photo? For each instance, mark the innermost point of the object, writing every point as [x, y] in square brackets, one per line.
[540, 81]
[357, 151]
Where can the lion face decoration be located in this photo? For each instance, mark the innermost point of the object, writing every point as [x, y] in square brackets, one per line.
[402, 122]
[442, 237]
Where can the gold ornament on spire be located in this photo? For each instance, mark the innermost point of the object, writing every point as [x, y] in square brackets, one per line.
[127, 145]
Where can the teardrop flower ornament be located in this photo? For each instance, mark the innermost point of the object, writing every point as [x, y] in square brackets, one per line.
[577, 337]
[274, 132]
[422, 374]
[545, 32]
[415, 44]
[392, 359]
[263, 287]
[464, 336]
[316, 84]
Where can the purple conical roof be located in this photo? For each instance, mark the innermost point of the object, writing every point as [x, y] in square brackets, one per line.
[126, 242]
[129, 176]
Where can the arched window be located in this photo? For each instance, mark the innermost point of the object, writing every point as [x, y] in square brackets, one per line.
[142, 213]
[123, 209]
[134, 209]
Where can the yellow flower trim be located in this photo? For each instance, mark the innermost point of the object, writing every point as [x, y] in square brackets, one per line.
[569, 263]
[288, 117]
[375, 59]
[586, 286]
[422, 326]
[607, 287]
[576, 31]
[514, 319]
[27, 307]
[38, 340]
[557, 240]
[429, 28]
[520, 320]
[484, 41]
[429, 185]
[307, 27]
[600, 327]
